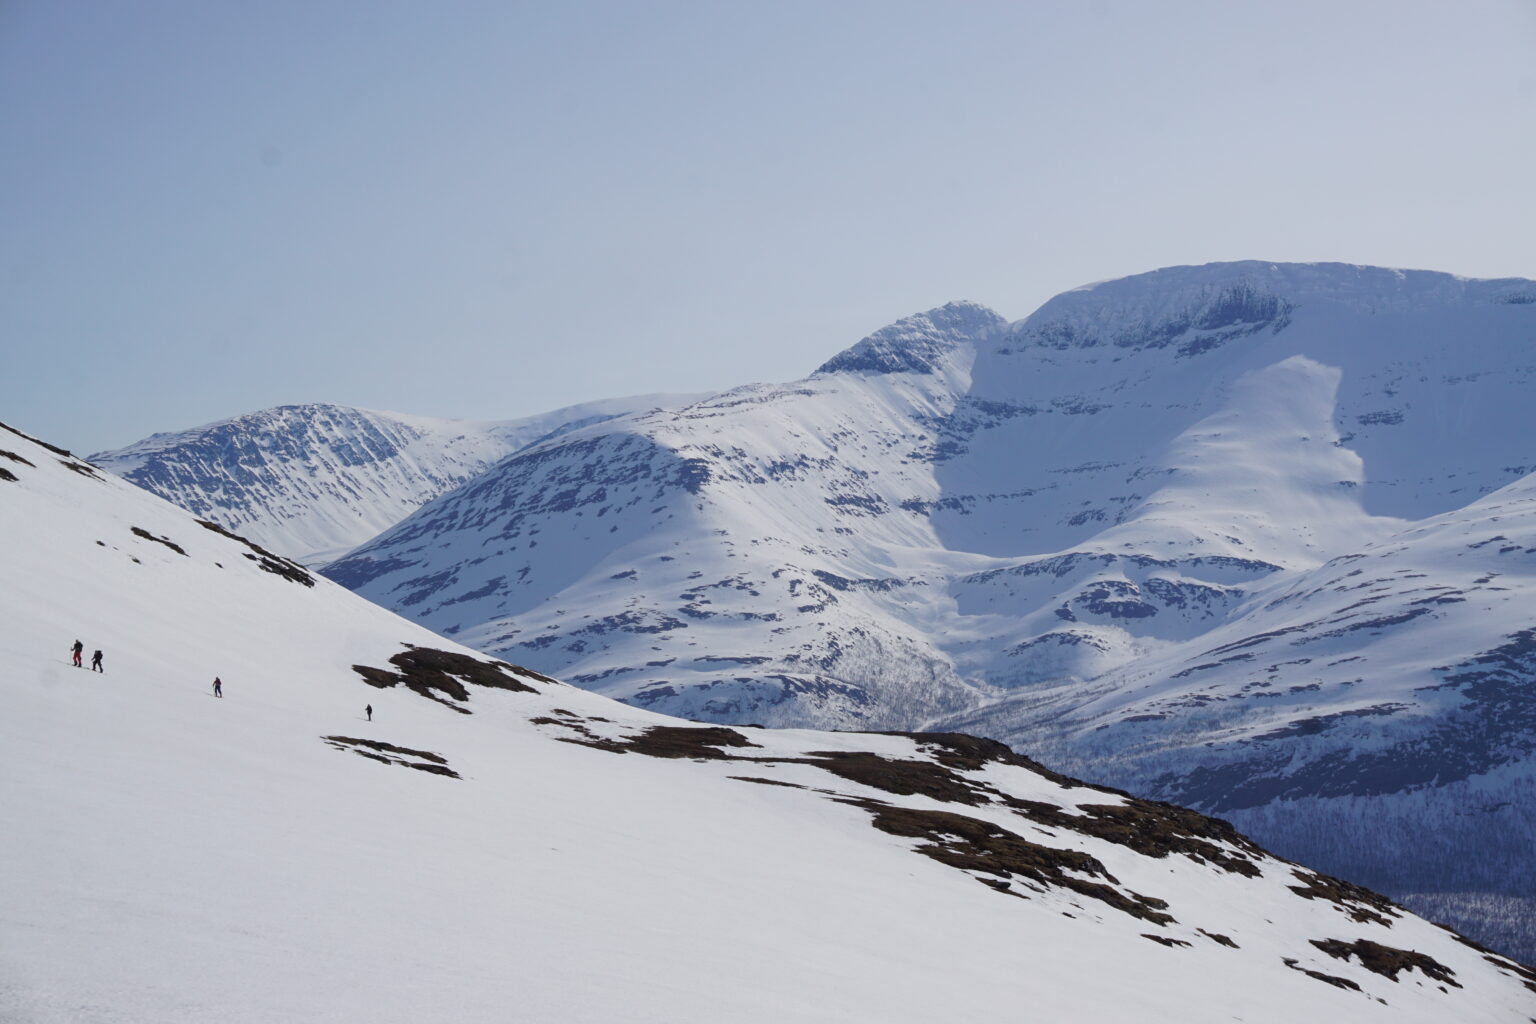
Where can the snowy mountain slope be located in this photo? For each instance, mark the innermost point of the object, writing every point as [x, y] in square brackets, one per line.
[1426, 361]
[1427, 416]
[956, 504]
[314, 481]
[1010, 526]
[745, 558]
[1386, 693]
[1380, 632]
[173, 856]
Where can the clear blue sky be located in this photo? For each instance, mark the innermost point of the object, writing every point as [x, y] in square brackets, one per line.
[488, 209]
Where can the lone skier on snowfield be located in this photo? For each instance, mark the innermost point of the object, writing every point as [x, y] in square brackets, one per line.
[218, 687]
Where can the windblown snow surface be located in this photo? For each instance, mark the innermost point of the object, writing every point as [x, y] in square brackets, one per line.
[312, 482]
[1079, 532]
[498, 846]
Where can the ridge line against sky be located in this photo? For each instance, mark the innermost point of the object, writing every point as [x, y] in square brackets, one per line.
[488, 210]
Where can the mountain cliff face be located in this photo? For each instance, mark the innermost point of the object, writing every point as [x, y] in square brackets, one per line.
[177, 856]
[1043, 530]
[314, 481]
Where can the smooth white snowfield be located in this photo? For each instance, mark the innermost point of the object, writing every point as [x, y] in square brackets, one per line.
[170, 856]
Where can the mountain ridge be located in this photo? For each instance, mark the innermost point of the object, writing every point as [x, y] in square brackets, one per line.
[315, 480]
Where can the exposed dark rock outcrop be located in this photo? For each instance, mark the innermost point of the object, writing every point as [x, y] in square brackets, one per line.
[275, 564]
[388, 753]
[1386, 960]
[439, 675]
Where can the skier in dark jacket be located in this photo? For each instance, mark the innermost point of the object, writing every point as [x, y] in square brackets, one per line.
[77, 650]
[96, 662]
[218, 687]
[369, 710]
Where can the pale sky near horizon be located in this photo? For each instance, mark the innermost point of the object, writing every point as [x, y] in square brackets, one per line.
[490, 209]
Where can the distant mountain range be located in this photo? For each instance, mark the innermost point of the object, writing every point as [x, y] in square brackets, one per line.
[315, 481]
[1248, 536]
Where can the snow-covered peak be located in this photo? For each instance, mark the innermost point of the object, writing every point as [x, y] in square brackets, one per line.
[296, 418]
[315, 480]
[1184, 306]
[918, 343]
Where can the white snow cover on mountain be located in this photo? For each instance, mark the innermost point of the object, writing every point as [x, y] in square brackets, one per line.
[745, 558]
[1037, 529]
[1376, 711]
[547, 854]
[314, 481]
[957, 505]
